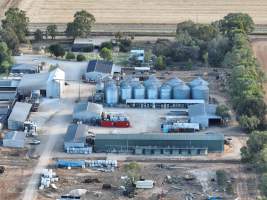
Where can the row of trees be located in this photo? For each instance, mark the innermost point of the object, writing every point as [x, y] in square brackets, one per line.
[206, 43]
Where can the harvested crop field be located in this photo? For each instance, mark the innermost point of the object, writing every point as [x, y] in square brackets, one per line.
[140, 11]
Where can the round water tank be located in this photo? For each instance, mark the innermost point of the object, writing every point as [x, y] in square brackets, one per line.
[165, 91]
[111, 94]
[152, 92]
[198, 81]
[125, 92]
[181, 91]
[200, 92]
[139, 91]
[174, 81]
[109, 82]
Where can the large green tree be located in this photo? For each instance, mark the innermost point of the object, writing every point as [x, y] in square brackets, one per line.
[51, 31]
[5, 58]
[56, 50]
[106, 54]
[233, 21]
[16, 20]
[81, 25]
[9, 36]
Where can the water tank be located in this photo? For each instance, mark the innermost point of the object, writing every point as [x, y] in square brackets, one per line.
[198, 81]
[181, 91]
[165, 92]
[111, 94]
[152, 92]
[125, 92]
[174, 81]
[200, 92]
[152, 80]
[139, 91]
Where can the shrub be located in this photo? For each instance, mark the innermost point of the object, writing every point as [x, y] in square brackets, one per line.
[80, 58]
[70, 56]
[107, 45]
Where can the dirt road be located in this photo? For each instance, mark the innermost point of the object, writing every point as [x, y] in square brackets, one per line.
[54, 132]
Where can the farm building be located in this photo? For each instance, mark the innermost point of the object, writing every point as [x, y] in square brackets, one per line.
[139, 54]
[19, 115]
[87, 112]
[154, 144]
[25, 69]
[75, 139]
[82, 45]
[14, 139]
[99, 69]
[50, 84]
[204, 114]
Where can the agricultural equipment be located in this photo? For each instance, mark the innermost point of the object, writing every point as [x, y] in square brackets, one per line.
[30, 128]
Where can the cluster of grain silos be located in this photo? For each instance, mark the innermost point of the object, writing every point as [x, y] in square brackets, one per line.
[152, 88]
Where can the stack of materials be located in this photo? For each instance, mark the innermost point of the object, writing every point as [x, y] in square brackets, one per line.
[48, 178]
[102, 165]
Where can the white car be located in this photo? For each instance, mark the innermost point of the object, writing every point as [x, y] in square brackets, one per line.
[35, 142]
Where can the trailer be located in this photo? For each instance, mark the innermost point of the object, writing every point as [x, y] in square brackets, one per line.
[117, 120]
[145, 184]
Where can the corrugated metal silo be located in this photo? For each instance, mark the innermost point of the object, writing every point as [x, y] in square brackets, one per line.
[198, 81]
[139, 91]
[125, 91]
[152, 80]
[200, 92]
[165, 91]
[111, 94]
[181, 91]
[152, 92]
[174, 81]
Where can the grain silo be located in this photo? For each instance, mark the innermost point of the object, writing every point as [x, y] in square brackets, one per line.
[200, 92]
[111, 94]
[139, 91]
[174, 81]
[181, 91]
[125, 92]
[198, 81]
[152, 91]
[152, 80]
[165, 91]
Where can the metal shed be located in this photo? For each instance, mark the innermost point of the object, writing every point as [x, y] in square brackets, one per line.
[75, 136]
[14, 139]
[19, 115]
[203, 114]
[150, 143]
[25, 68]
[87, 112]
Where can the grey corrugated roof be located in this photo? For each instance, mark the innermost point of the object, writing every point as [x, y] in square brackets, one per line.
[100, 66]
[6, 95]
[161, 136]
[34, 81]
[25, 66]
[15, 135]
[76, 133]
[20, 112]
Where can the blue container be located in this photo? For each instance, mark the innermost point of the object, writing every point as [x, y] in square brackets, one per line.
[71, 163]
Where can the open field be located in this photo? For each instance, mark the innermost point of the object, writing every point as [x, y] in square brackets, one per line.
[259, 46]
[140, 11]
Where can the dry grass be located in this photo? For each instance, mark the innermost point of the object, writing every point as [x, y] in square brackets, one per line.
[142, 11]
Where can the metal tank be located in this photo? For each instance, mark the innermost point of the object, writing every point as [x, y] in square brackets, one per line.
[139, 91]
[181, 91]
[109, 82]
[152, 92]
[125, 92]
[198, 81]
[152, 80]
[111, 94]
[200, 92]
[174, 81]
[165, 92]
